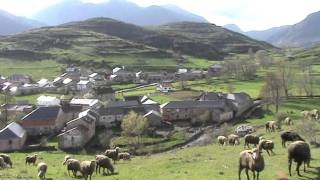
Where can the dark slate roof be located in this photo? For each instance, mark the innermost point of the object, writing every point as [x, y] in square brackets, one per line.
[43, 113]
[7, 134]
[12, 131]
[120, 104]
[210, 96]
[133, 98]
[103, 89]
[194, 104]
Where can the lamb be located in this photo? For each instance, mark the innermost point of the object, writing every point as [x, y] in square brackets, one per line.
[288, 121]
[6, 159]
[87, 168]
[124, 156]
[105, 163]
[222, 140]
[290, 136]
[267, 145]
[113, 154]
[31, 159]
[233, 139]
[270, 126]
[251, 160]
[72, 165]
[299, 151]
[251, 139]
[42, 170]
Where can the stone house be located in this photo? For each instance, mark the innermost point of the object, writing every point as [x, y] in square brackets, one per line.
[104, 93]
[84, 85]
[12, 137]
[165, 86]
[218, 111]
[154, 119]
[45, 120]
[242, 102]
[113, 113]
[17, 110]
[79, 131]
[123, 77]
[215, 70]
[25, 89]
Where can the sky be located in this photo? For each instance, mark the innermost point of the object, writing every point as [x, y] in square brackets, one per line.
[247, 14]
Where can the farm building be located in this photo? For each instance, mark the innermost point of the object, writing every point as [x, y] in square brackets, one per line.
[12, 137]
[154, 118]
[45, 120]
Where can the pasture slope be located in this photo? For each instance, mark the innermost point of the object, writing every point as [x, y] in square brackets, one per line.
[200, 162]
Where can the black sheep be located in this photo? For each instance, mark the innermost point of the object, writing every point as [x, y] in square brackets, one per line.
[299, 151]
[290, 136]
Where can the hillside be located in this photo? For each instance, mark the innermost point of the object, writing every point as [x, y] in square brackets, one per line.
[67, 45]
[122, 10]
[196, 39]
[11, 24]
[233, 27]
[303, 34]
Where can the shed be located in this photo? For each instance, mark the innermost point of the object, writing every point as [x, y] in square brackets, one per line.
[12, 137]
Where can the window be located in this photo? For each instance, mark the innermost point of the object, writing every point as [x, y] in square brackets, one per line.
[10, 142]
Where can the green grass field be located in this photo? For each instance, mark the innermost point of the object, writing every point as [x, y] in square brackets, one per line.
[36, 69]
[200, 162]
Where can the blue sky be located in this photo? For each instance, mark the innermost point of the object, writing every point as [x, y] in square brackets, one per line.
[248, 14]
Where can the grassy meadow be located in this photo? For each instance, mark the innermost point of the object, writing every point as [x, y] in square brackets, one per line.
[199, 162]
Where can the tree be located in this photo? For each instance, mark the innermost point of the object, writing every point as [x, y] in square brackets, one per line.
[240, 68]
[306, 81]
[285, 74]
[134, 125]
[263, 59]
[271, 90]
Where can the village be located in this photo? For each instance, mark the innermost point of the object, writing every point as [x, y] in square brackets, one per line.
[88, 103]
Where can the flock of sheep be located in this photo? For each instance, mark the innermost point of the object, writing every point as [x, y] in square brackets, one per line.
[86, 168]
[252, 159]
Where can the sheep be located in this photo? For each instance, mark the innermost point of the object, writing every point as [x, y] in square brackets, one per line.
[124, 156]
[113, 154]
[87, 168]
[299, 151]
[233, 139]
[290, 136]
[31, 159]
[2, 163]
[251, 160]
[72, 165]
[251, 139]
[270, 126]
[288, 121]
[222, 140]
[42, 170]
[105, 163]
[267, 145]
[6, 159]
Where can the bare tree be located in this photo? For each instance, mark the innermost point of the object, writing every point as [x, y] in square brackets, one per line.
[272, 90]
[263, 59]
[285, 73]
[240, 68]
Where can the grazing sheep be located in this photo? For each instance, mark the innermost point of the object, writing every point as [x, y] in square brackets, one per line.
[105, 163]
[87, 168]
[72, 165]
[299, 151]
[31, 159]
[266, 145]
[113, 154]
[124, 156]
[270, 126]
[251, 160]
[2, 163]
[233, 139]
[42, 170]
[290, 136]
[222, 140]
[288, 121]
[251, 139]
[6, 159]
